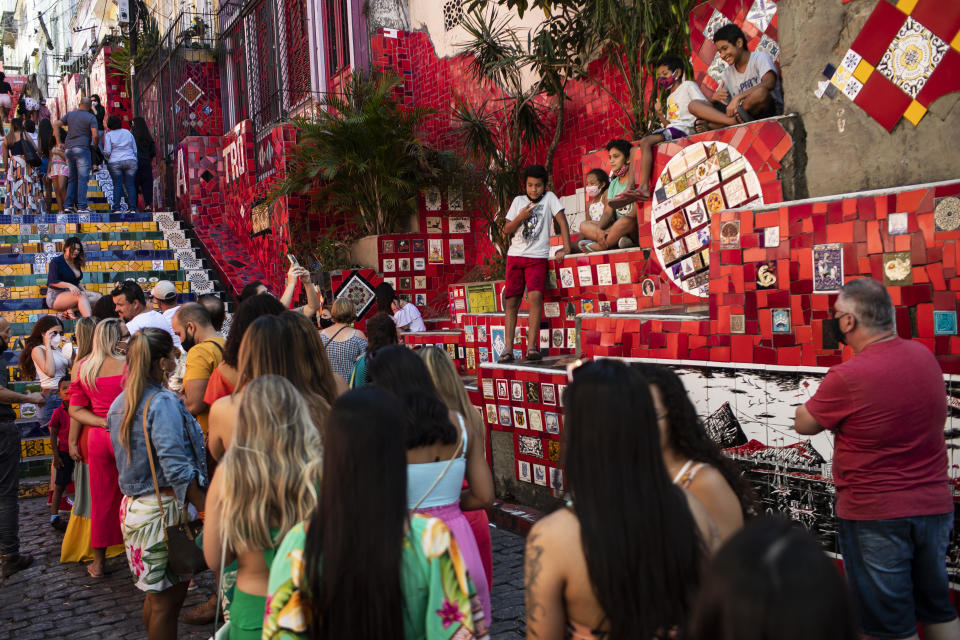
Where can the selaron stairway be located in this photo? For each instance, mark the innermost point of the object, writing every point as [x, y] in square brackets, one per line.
[146, 247]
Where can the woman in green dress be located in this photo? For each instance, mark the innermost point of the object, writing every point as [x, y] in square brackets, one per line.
[385, 573]
[264, 485]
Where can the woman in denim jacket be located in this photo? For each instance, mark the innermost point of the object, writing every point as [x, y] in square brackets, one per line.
[178, 453]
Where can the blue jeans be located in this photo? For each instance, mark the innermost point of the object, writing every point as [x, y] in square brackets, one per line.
[9, 488]
[78, 161]
[897, 571]
[123, 174]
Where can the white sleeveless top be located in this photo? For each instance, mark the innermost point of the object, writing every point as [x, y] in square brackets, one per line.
[61, 362]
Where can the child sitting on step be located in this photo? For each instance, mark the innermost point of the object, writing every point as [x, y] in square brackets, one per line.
[529, 221]
[749, 87]
[617, 227]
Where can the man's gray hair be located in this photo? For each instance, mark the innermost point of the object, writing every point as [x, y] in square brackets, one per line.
[85, 103]
[871, 303]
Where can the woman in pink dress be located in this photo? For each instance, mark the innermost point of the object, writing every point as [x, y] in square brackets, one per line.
[99, 382]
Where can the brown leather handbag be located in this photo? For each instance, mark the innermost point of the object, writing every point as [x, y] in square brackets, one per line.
[184, 557]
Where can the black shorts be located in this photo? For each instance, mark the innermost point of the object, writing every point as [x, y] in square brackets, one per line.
[65, 472]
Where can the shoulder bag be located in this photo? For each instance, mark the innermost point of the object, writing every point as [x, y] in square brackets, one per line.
[184, 557]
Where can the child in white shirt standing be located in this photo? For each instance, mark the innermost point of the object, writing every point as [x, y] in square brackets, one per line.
[529, 221]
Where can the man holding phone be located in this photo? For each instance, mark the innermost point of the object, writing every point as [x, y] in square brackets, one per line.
[295, 274]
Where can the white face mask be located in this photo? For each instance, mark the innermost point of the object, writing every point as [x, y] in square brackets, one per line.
[55, 341]
[592, 190]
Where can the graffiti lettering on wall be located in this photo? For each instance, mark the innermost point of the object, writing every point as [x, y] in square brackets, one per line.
[181, 185]
[234, 157]
[265, 165]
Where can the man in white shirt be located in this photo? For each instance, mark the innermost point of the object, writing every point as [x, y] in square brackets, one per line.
[407, 317]
[164, 295]
[131, 306]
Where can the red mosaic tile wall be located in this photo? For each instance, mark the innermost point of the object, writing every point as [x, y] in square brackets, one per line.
[907, 240]
[196, 178]
[110, 85]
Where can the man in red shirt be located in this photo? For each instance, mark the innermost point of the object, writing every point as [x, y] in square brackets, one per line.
[887, 408]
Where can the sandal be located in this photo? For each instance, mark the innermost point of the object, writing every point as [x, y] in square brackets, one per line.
[534, 355]
[98, 576]
[743, 115]
[505, 358]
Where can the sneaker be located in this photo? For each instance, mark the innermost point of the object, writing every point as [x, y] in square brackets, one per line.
[16, 562]
[69, 209]
[84, 210]
[625, 243]
[59, 524]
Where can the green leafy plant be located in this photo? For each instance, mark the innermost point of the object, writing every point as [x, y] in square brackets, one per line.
[362, 155]
[330, 246]
[626, 37]
[496, 134]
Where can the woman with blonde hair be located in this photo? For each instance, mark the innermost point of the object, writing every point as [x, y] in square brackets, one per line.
[146, 408]
[453, 394]
[98, 382]
[287, 345]
[344, 344]
[265, 484]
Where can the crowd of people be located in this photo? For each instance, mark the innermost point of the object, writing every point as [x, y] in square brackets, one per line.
[342, 483]
[46, 158]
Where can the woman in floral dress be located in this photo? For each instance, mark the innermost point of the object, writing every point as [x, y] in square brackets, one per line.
[24, 185]
[408, 567]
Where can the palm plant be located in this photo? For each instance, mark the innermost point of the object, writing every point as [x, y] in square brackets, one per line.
[361, 154]
[626, 36]
[497, 133]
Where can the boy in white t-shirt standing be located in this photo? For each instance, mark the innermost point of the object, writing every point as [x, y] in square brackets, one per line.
[678, 121]
[529, 221]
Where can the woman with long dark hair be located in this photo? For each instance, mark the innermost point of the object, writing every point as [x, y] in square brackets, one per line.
[692, 458]
[286, 345]
[146, 152]
[441, 452]
[65, 290]
[772, 581]
[623, 559]
[42, 359]
[224, 378]
[381, 332]
[150, 501]
[362, 567]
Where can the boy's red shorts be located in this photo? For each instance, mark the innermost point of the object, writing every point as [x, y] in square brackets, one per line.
[525, 272]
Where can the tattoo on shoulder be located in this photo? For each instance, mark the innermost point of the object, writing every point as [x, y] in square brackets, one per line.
[533, 565]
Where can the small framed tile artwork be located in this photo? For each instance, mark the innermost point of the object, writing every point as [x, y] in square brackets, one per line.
[898, 223]
[540, 475]
[419, 264]
[548, 393]
[506, 418]
[523, 471]
[519, 418]
[738, 323]
[492, 414]
[552, 422]
[403, 264]
[780, 320]
[945, 323]
[502, 391]
[516, 391]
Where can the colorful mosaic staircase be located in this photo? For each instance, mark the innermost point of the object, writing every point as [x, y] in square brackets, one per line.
[146, 247]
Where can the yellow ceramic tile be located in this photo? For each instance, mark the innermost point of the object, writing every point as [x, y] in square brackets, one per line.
[906, 6]
[863, 71]
[956, 41]
[915, 112]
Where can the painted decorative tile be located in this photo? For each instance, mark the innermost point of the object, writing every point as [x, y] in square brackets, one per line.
[626, 305]
[420, 282]
[516, 390]
[503, 391]
[483, 354]
[716, 68]
[912, 56]
[356, 289]
[391, 281]
[552, 422]
[534, 420]
[388, 246]
[458, 224]
[431, 200]
[455, 200]
[506, 417]
[533, 394]
[566, 277]
[767, 275]
[406, 283]
[827, 268]
[520, 418]
[434, 224]
[585, 275]
[420, 299]
[780, 319]
[403, 264]
[418, 245]
[604, 306]
[771, 237]
[586, 306]
[898, 223]
[403, 245]
[946, 214]
[738, 323]
[457, 251]
[551, 309]
[897, 268]
[435, 251]
[945, 323]
[548, 393]
[556, 338]
[571, 338]
[556, 478]
[488, 388]
[540, 475]
[761, 13]
[604, 275]
[530, 445]
[524, 471]
[492, 414]
[716, 21]
[769, 46]
[730, 235]
[544, 338]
